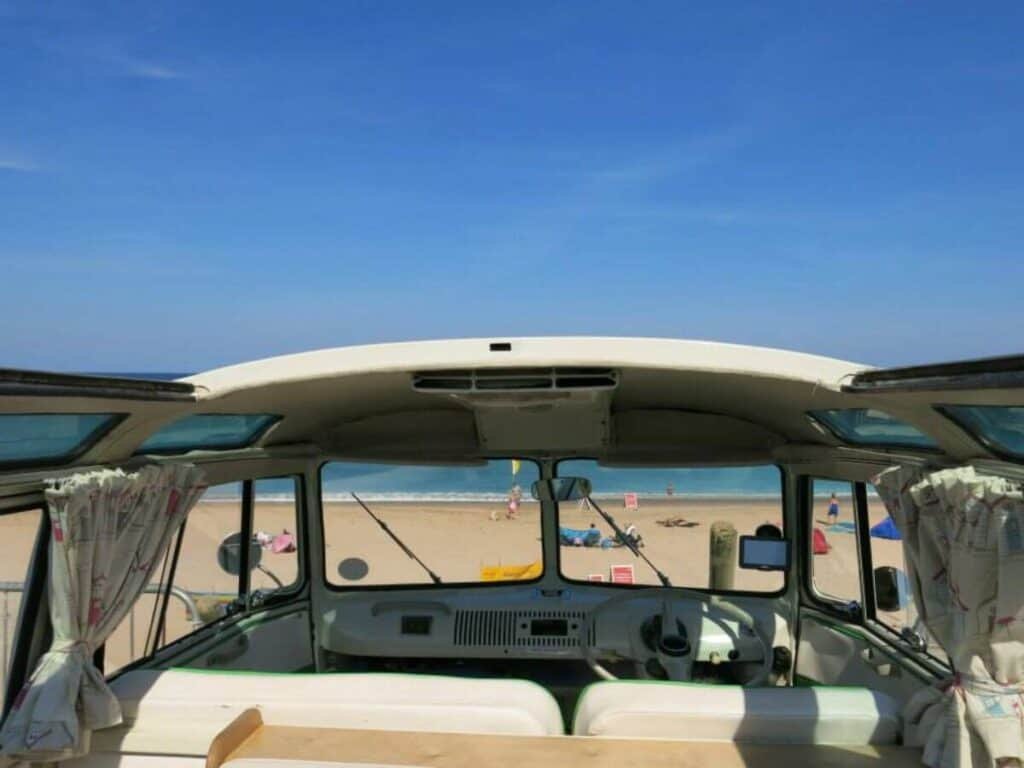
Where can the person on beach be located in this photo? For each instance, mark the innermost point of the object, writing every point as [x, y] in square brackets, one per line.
[833, 510]
[515, 495]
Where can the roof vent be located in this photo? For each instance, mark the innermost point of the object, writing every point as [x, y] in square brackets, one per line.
[515, 380]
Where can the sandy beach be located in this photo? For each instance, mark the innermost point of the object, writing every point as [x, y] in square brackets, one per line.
[456, 539]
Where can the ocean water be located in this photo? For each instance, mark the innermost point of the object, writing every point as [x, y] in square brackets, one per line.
[493, 481]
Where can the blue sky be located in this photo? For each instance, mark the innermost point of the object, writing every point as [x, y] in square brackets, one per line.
[184, 185]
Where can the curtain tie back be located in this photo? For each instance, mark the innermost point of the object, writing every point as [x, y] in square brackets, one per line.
[78, 647]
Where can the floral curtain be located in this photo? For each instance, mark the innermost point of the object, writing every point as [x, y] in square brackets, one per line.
[110, 530]
[963, 535]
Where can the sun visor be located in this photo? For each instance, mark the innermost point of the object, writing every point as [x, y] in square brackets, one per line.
[690, 436]
[577, 422]
[437, 433]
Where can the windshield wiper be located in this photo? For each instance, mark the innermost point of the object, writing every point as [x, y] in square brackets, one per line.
[627, 541]
[398, 541]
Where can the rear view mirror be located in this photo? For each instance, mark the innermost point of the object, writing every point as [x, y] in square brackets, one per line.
[890, 589]
[764, 553]
[229, 554]
[561, 489]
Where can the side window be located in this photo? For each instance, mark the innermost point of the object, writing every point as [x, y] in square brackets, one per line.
[19, 531]
[894, 601]
[200, 592]
[275, 526]
[834, 557]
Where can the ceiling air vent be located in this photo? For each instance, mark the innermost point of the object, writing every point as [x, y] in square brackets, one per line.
[515, 380]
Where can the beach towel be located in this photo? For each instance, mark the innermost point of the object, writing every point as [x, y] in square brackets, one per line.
[282, 543]
[886, 530]
[844, 527]
[511, 572]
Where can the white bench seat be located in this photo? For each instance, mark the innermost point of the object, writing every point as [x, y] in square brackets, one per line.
[366, 701]
[693, 712]
[171, 716]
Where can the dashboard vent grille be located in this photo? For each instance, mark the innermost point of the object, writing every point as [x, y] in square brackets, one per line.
[485, 627]
[513, 628]
[515, 380]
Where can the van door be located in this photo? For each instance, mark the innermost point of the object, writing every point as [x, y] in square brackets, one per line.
[841, 640]
[975, 409]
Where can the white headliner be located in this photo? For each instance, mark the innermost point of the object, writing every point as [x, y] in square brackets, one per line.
[675, 402]
[530, 351]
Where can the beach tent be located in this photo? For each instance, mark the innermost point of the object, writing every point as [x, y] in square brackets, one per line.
[820, 543]
[579, 537]
[886, 530]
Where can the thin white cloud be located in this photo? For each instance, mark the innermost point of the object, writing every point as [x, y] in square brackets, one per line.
[148, 70]
[18, 163]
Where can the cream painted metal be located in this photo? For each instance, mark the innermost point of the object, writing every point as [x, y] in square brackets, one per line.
[564, 351]
[736, 403]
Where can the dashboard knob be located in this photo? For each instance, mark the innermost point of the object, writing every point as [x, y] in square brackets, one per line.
[674, 645]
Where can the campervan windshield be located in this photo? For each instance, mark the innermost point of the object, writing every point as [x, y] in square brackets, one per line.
[668, 513]
[396, 524]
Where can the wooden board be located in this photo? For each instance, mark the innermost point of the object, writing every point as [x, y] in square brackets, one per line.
[453, 750]
[233, 736]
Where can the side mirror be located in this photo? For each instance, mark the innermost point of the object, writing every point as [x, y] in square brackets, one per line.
[561, 489]
[764, 553]
[890, 589]
[229, 554]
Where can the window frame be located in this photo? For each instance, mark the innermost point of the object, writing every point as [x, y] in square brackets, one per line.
[990, 445]
[822, 601]
[786, 535]
[34, 602]
[865, 617]
[78, 450]
[824, 424]
[871, 620]
[273, 419]
[341, 588]
[271, 600]
[282, 594]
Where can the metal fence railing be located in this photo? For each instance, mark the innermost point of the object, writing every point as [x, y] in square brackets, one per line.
[9, 619]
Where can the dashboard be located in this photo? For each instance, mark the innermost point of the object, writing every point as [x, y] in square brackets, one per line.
[530, 622]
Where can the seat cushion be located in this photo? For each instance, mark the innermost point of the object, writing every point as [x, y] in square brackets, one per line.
[693, 712]
[369, 701]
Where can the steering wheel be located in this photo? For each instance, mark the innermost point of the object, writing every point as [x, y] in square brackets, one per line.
[672, 647]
